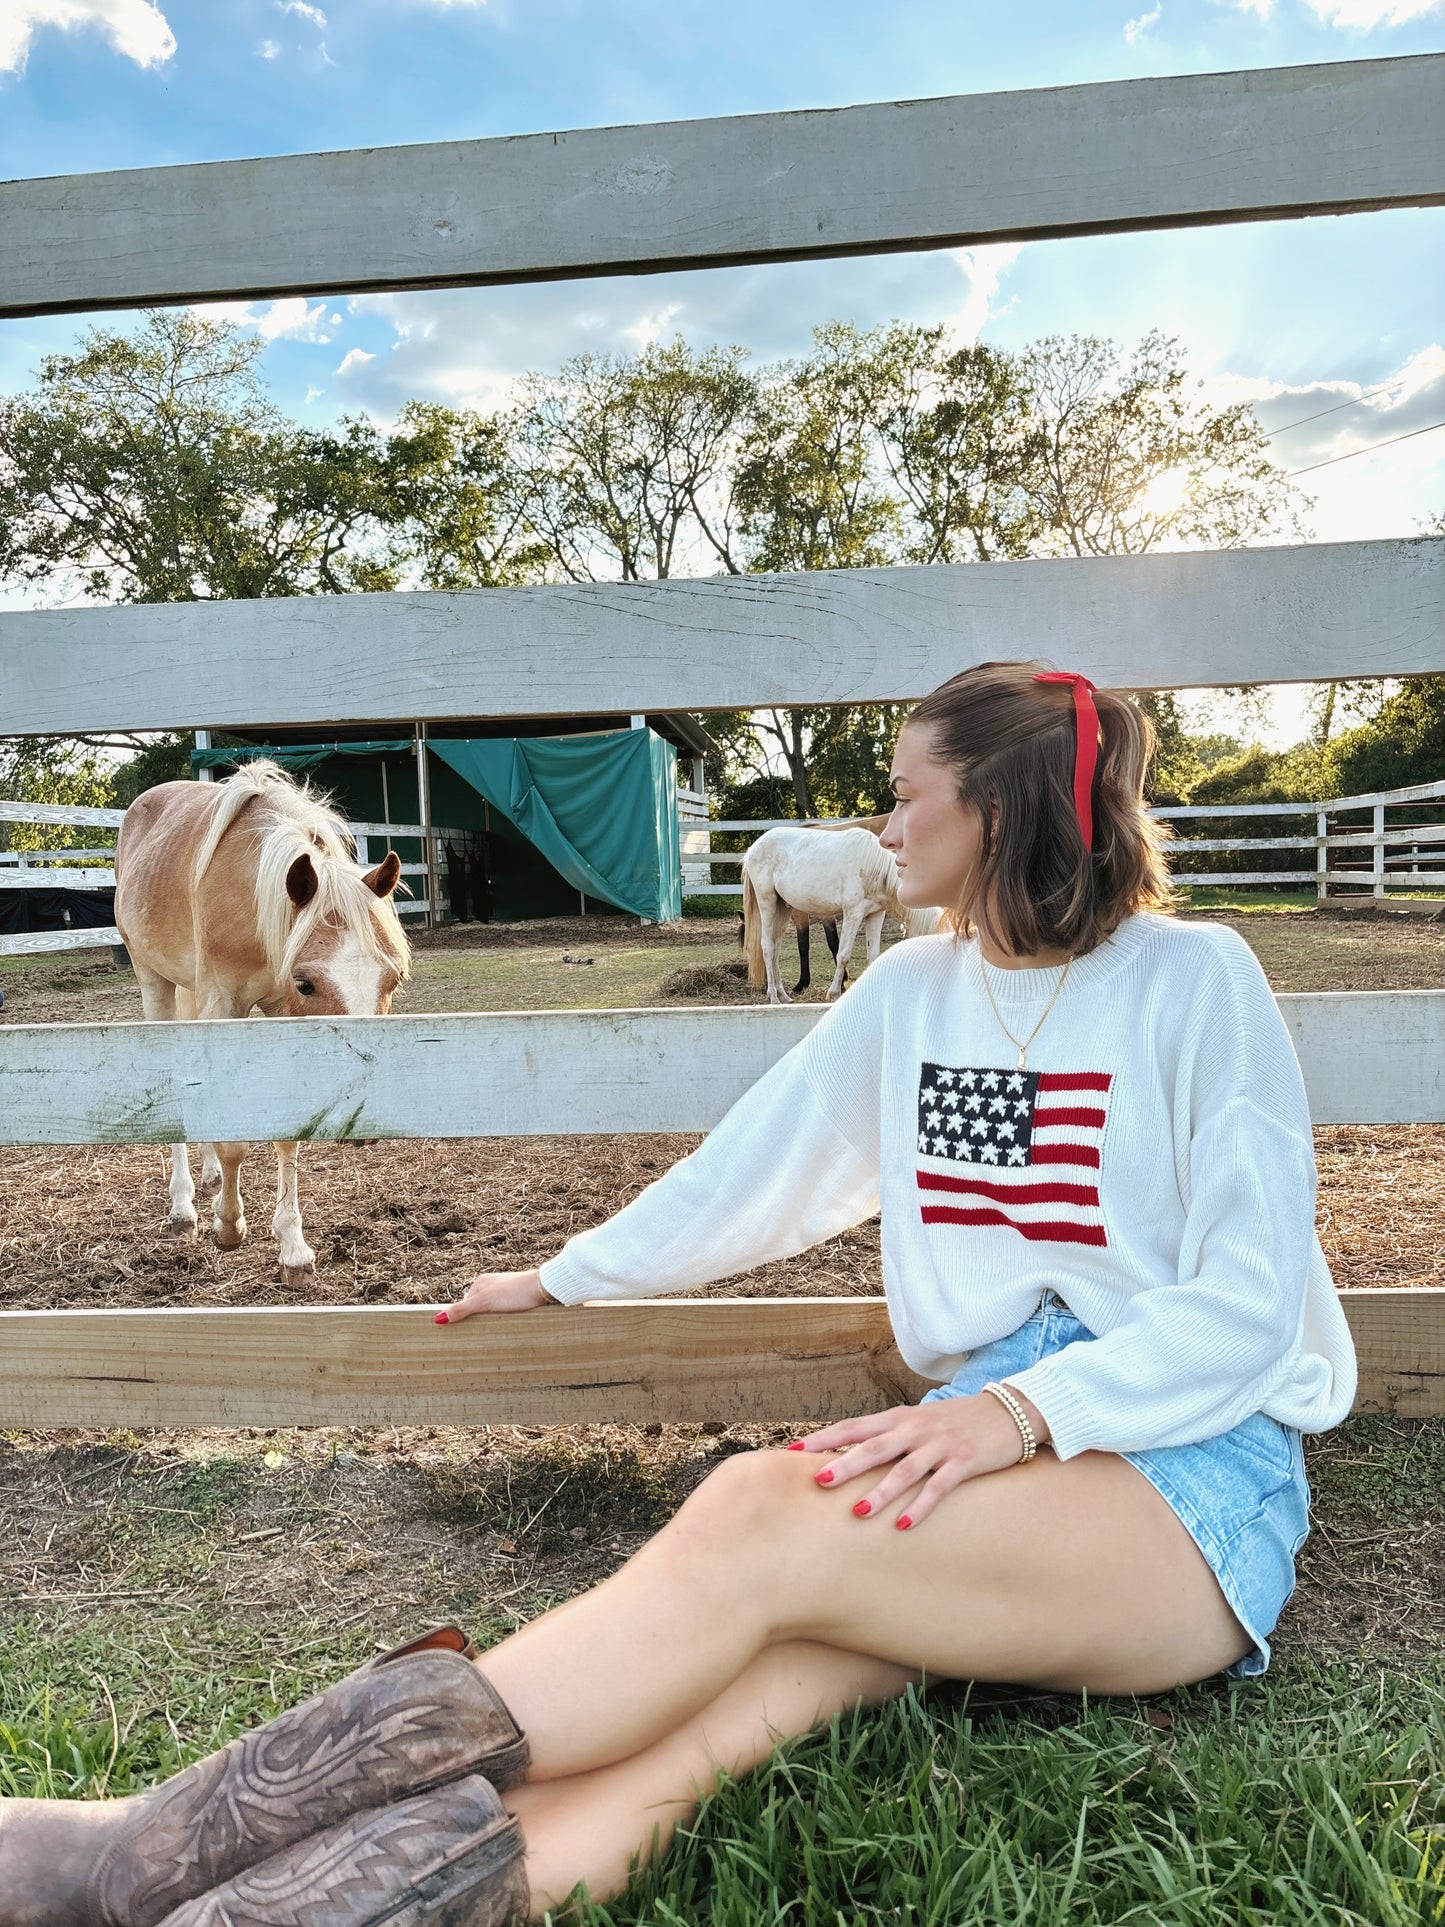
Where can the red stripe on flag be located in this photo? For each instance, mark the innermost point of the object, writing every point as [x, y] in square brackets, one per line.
[1011, 1193]
[1076, 1114]
[1085, 1154]
[1061, 1233]
[1075, 1080]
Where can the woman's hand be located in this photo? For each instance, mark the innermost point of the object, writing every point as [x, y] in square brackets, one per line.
[930, 1449]
[496, 1291]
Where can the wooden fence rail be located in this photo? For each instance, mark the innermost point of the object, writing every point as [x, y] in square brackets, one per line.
[1368, 1057]
[1181, 151]
[789, 1361]
[738, 642]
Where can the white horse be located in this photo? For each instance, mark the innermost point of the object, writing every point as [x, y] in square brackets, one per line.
[246, 895]
[848, 877]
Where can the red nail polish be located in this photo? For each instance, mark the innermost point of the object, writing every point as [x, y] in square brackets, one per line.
[797, 1446]
[862, 1509]
[441, 1319]
[904, 1523]
[825, 1477]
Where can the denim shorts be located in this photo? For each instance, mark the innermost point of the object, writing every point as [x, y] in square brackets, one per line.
[1242, 1496]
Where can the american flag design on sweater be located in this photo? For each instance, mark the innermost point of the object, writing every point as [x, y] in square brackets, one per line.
[1022, 1150]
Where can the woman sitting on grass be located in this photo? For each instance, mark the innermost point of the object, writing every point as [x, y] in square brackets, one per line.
[1089, 1136]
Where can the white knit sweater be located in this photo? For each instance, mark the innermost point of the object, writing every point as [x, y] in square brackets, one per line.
[1154, 1166]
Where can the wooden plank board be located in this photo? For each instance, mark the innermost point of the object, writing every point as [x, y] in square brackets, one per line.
[40, 943]
[39, 879]
[1272, 143]
[59, 813]
[1368, 1056]
[750, 1360]
[746, 1361]
[842, 636]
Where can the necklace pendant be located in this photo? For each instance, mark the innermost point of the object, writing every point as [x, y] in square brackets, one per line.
[1023, 1059]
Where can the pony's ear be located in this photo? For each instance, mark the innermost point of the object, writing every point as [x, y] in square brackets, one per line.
[385, 877]
[301, 881]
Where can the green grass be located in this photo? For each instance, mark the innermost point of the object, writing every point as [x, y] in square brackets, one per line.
[1312, 1798]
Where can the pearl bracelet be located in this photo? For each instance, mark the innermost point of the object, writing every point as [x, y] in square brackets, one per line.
[1020, 1419]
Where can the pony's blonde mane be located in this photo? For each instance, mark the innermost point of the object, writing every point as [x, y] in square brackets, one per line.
[299, 821]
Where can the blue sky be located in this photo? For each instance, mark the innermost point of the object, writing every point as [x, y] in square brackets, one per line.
[1297, 316]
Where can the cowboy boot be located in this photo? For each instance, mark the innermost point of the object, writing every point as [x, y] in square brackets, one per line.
[452, 1858]
[412, 1720]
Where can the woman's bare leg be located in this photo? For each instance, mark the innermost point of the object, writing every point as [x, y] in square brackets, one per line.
[1060, 1574]
[594, 1826]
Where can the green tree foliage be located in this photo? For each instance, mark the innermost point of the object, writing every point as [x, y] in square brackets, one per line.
[152, 468]
[625, 462]
[37, 769]
[459, 504]
[1403, 744]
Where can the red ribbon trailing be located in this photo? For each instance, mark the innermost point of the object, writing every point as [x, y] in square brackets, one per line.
[1086, 748]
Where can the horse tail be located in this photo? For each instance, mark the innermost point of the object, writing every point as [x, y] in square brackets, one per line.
[753, 934]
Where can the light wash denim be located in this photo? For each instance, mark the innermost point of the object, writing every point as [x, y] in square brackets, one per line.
[1243, 1496]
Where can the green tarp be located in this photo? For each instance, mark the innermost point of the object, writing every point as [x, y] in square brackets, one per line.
[298, 756]
[601, 809]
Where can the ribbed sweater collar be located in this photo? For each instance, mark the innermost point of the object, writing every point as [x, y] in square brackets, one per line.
[1018, 987]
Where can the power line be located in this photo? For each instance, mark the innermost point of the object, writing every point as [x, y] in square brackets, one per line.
[1369, 395]
[1368, 449]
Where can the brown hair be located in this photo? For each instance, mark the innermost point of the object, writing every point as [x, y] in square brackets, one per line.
[1010, 742]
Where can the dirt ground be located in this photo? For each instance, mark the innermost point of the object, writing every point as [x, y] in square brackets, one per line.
[409, 1222]
[490, 1524]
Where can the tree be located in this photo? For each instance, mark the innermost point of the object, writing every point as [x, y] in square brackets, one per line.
[459, 499]
[956, 434]
[38, 769]
[152, 468]
[1130, 458]
[810, 492]
[627, 461]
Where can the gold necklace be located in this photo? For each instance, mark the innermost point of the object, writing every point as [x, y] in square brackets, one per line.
[1022, 1048]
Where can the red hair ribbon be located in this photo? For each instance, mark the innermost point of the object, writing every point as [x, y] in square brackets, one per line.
[1086, 748]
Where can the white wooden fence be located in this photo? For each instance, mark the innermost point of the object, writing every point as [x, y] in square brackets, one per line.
[1408, 857]
[1167, 153]
[57, 869]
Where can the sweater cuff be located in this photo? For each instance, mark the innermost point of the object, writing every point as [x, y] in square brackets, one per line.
[1072, 1427]
[567, 1282]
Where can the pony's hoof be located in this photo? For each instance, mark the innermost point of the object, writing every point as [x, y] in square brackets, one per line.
[183, 1230]
[228, 1236]
[297, 1277]
[210, 1180]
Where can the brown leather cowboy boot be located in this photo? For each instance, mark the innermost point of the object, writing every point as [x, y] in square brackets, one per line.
[452, 1858]
[414, 1719]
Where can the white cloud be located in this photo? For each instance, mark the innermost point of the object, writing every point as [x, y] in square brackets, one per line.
[984, 268]
[287, 319]
[136, 28]
[269, 49]
[353, 359]
[1380, 491]
[1360, 16]
[314, 394]
[1133, 29]
[649, 328]
[302, 11]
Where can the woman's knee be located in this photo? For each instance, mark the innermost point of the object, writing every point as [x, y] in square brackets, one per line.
[750, 1497]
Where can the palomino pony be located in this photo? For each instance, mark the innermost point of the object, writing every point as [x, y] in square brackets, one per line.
[245, 895]
[847, 876]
